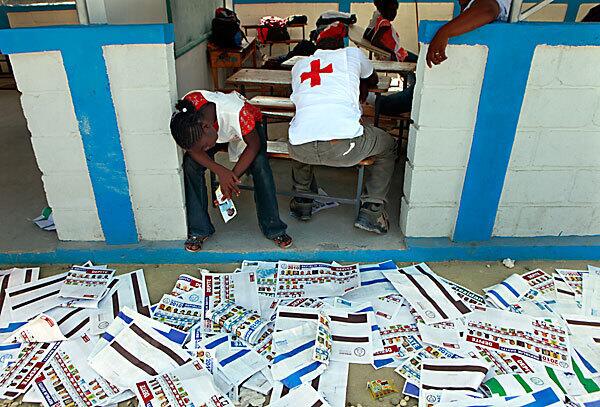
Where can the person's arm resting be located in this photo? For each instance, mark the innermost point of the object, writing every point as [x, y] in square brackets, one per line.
[480, 13]
[249, 154]
[227, 179]
[366, 84]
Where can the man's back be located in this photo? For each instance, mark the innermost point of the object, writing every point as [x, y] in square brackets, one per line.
[326, 94]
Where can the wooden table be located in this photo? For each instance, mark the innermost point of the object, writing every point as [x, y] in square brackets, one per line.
[355, 33]
[230, 57]
[287, 42]
[379, 66]
[274, 77]
[270, 77]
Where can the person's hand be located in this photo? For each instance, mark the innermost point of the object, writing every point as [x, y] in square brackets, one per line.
[436, 54]
[229, 183]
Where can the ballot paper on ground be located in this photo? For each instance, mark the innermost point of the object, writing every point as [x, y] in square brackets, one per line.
[186, 283]
[240, 288]
[32, 358]
[67, 379]
[231, 360]
[541, 340]
[187, 386]
[431, 297]
[542, 282]
[508, 292]
[298, 280]
[40, 329]
[86, 282]
[574, 279]
[243, 323]
[462, 377]
[136, 350]
[591, 292]
[304, 395]
[473, 300]
[28, 300]
[266, 275]
[372, 282]
[410, 369]
[564, 291]
[130, 291]
[519, 384]
[352, 336]
[9, 279]
[297, 360]
[178, 312]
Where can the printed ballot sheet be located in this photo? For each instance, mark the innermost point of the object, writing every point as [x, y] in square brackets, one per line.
[591, 292]
[9, 279]
[67, 378]
[40, 329]
[309, 280]
[243, 323]
[130, 291]
[540, 340]
[136, 352]
[31, 360]
[186, 283]
[177, 312]
[86, 282]
[304, 395]
[28, 300]
[351, 336]
[266, 276]
[542, 282]
[190, 385]
[508, 292]
[240, 288]
[429, 295]
[73, 322]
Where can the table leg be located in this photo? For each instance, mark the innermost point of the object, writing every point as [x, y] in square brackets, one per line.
[254, 60]
[215, 77]
[377, 108]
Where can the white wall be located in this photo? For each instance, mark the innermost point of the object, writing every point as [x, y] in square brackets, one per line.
[57, 144]
[142, 82]
[552, 186]
[193, 70]
[444, 112]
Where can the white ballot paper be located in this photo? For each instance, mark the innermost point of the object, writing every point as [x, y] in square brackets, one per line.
[137, 351]
[31, 360]
[11, 278]
[243, 323]
[177, 312]
[542, 282]
[587, 327]
[541, 340]
[73, 322]
[519, 384]
[240, 288]
[564, 291]
[86, 282]
[304, 395]
[508, 292]
[68, 380]
[460, 376]
[40, 329]
[351, 336]
[28, 300]
[574, 279]
[190, 385]
[298, 280]
[591, 292]
[431, 297]
[186, 283]
[372, 282]
[266, 275]
[131, 292]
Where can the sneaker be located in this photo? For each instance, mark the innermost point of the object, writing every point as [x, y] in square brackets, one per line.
[372, 218]
[301, 208]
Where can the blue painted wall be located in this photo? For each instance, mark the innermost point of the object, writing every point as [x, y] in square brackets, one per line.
[81, 49]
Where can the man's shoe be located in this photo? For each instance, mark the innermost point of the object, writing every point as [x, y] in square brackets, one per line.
[372, 218]
[301, 208]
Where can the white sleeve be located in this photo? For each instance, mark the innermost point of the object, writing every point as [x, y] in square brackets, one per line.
[366, 67]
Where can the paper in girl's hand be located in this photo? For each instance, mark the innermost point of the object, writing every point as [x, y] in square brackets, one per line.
[226, 206]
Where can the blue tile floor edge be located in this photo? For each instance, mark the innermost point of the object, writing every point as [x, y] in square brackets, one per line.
[417, 249]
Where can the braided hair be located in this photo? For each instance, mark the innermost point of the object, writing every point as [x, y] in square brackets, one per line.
[186, 123]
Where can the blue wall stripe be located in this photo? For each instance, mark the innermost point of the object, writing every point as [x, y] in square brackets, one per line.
[81, 48]
[511, 48]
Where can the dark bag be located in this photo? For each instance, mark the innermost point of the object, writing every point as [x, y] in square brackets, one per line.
[296, 19]
[272, 29]
[226, 30]
[330, 17]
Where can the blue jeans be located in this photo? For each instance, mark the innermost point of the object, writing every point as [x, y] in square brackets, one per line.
[196, 196]
[395, 103]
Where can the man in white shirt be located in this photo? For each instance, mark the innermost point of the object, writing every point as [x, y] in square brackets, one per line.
[326, 130]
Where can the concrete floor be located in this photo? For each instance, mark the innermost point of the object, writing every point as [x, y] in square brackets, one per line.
[473, 275]
[22, 196]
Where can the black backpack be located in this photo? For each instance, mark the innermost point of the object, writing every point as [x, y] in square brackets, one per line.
[226, 30]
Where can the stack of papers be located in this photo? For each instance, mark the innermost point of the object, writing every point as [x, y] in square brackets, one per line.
[287, 332]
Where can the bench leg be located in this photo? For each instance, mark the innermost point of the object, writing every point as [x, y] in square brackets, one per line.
[359, 188]
[377, 110]
[265, 122]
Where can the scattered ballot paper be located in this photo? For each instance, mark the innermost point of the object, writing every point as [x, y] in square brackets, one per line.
[86, 283]
[45, 220]
[226, 206]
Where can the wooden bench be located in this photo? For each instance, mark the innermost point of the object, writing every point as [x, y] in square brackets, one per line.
[279, 150]
[287, 42]
[355, 33]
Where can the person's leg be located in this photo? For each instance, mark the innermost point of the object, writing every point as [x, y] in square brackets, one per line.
[303, 180]
[265, 196]
[196, 199]
[397, 102]
[381, 147]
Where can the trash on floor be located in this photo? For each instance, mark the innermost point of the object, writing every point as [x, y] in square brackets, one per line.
[285, 333]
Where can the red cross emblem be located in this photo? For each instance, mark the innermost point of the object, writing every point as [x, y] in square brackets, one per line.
[315, 72]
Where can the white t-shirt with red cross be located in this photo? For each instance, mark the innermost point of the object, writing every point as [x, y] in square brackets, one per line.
[325, 91]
